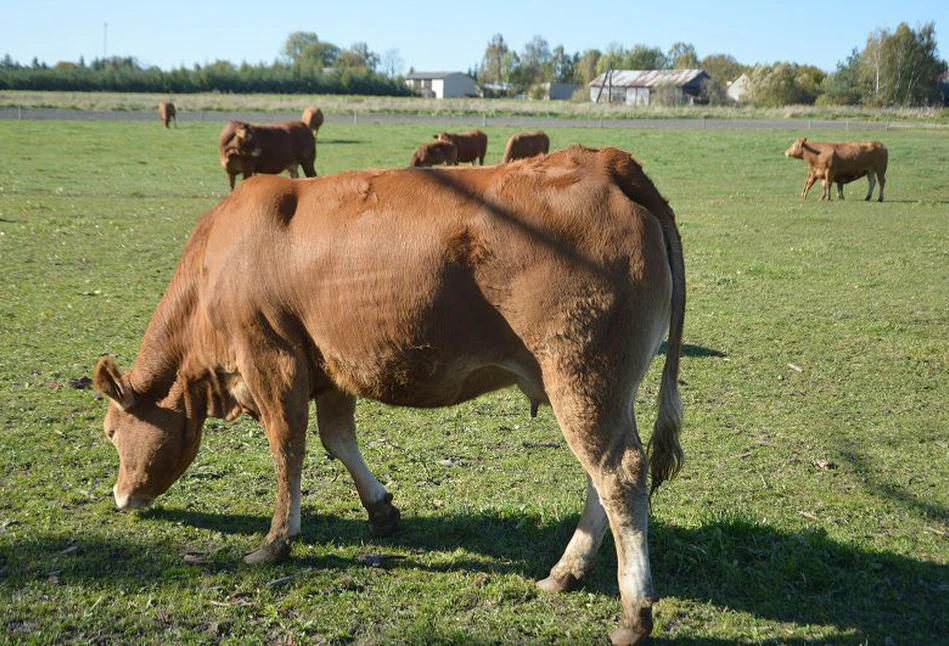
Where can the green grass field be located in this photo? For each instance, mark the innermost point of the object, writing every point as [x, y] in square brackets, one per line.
[813, 507]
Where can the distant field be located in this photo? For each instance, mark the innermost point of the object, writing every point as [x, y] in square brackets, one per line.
[813, 507]
[335, 105]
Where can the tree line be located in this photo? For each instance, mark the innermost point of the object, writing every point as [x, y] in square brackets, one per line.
[306, 66]
[898, 68]
[894, 68]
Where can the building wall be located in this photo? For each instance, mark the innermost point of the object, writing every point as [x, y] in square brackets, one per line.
[455, 86]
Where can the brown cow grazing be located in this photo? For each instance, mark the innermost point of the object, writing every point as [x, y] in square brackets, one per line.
[471, 145]
[271, 149]
[841, 163]
[526, 144]
[435, 153]
[166, 113]
[313, 117]
[422, 287]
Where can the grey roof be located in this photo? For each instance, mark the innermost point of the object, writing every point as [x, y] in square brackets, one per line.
[648, 78]
[433, 75]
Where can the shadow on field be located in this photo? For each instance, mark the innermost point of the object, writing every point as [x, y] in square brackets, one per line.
[339, 141]
[695, 351]
[805, 579]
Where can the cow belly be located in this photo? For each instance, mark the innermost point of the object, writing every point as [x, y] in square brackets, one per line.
[423, 378]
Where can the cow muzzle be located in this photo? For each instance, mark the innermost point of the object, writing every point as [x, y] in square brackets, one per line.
[130, 501]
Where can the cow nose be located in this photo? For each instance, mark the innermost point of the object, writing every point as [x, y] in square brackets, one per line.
[129, 501]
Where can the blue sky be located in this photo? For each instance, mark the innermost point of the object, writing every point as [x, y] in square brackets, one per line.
[431, 35]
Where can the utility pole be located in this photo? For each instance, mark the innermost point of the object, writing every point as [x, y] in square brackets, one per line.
[105, 40]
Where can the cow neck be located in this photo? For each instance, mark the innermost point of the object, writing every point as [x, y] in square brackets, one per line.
[164, 344]
[168, 336]
[808, 148]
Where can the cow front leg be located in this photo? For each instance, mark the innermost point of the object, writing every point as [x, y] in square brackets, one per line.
[294, 173]
[282, 396]
[336, 419]
[840, 189]
[808, 183]
[287, 438]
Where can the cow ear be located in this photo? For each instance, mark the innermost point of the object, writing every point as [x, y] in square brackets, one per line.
[109, 380]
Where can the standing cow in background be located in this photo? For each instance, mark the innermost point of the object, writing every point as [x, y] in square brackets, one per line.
[526, 144]
[247, 149]
[471, 145]
[435, 153]
[313, 118]
[841, 163]
[166, 113]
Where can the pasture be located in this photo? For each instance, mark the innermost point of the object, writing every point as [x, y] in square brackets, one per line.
[813, 506]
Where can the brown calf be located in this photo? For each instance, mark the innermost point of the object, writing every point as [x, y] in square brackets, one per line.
[435, 153]
[166, 113]
[841, 163]
[471, 145]
[526, 144]
[270, 149]
[313, 117]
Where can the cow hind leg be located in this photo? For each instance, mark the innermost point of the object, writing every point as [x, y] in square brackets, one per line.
[598, 423]
[882, 184]
[335, 413]
[294, 173]
[871, 178]
[308, 168]
[840, 189]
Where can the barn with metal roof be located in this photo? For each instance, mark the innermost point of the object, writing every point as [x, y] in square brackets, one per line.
[642, 87]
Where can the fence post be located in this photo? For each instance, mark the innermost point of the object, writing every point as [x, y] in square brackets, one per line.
[847, 127]
[703, 123]
[355, 118]
[808, 124]
[484, 120]
[19, 113]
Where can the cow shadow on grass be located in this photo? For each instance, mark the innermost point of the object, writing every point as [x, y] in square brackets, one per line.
[801, 578]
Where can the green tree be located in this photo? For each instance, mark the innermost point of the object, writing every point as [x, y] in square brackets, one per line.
[534, 61]
[722, 67]
[585, 69]
[844, 87]
[907, 67]
[494, 62]
[359, 56]
[682, 56]
[304, 49]
[784, 84]
[561, 66]
[641, 57]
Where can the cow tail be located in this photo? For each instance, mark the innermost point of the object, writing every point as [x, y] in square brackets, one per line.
[665, 452]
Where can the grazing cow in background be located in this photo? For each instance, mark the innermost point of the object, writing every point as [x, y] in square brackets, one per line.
[166, 113]
[313, 117]
[422, 288]
[471, 145]
[270, 148]
[841, 163]
[435, 153]
[526, 144]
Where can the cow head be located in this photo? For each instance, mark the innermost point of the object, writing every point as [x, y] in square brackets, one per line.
[156, 439]
[797, 148]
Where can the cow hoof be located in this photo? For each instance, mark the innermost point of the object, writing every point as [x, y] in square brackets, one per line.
[269, 553]
[383, 517]
[637, 627]
[627, 637]
[554, 584]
